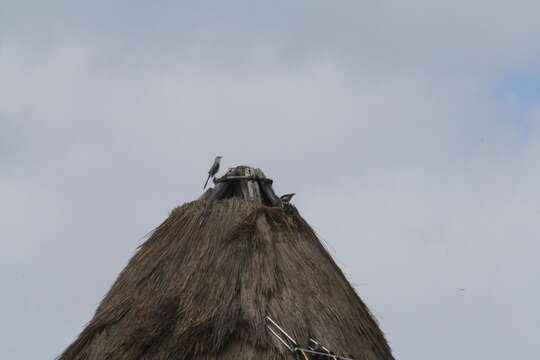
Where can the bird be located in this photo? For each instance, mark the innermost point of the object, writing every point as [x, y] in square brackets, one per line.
[213, 170]
[286, 199]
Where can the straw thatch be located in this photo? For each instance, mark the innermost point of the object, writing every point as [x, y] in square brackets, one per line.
[201, 285]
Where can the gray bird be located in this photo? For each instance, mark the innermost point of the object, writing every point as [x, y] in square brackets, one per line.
[286, 199]
[213, 170]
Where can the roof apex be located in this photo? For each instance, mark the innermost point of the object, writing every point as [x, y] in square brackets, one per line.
[244, 182]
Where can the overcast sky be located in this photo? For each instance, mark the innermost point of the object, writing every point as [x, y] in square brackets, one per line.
[410, 131]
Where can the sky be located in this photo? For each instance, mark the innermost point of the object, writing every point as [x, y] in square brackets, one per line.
[410, 132]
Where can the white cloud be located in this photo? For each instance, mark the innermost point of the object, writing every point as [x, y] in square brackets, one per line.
[389, 136]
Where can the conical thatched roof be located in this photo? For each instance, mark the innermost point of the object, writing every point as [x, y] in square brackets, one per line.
[201, 286]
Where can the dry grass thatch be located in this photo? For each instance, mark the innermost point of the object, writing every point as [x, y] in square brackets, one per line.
[201, 285]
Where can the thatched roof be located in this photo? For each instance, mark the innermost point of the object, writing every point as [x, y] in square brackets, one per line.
[201, 286]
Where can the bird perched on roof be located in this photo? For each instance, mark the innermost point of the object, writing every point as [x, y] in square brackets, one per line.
[213, 170]
[286, 199]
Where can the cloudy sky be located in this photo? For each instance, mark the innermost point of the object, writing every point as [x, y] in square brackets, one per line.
[410, 132]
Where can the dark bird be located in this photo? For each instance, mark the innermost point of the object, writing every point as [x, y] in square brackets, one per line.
[286, 199]
[213, 170]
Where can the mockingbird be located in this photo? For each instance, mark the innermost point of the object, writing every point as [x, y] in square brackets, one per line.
[213, 170]
[286, 199]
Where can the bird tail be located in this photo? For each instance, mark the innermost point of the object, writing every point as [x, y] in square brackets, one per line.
[206, 183]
